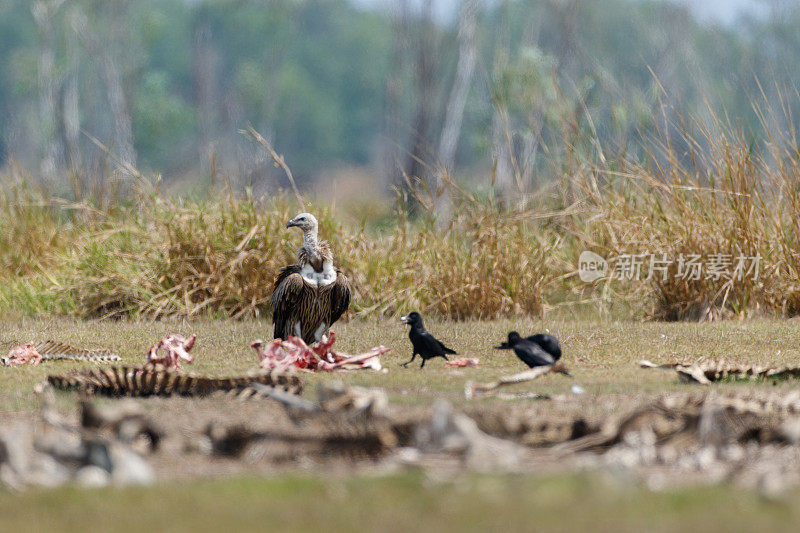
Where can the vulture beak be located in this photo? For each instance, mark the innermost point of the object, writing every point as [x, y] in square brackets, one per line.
[404, 319]
[291, 223]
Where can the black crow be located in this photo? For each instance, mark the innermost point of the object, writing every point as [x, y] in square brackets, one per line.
[547, 342]
[425, 344]
[545, 352]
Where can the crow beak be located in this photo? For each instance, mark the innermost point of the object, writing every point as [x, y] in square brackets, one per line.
[503, 346]
[404, 319]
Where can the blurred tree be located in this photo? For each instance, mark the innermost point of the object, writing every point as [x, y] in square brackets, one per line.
[103, 26]
[164, 123]
[423, 45]
[206, 62]
[45, 13]
[331, 84]
[454, 116]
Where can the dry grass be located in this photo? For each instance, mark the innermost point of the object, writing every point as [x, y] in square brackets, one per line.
[704, 188]
[165, 257]
[711, 191]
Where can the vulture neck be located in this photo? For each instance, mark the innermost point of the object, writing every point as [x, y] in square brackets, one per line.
[314, 253]
[316, 261]
[310, 240]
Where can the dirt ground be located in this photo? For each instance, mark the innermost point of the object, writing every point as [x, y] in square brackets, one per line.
[222, 435]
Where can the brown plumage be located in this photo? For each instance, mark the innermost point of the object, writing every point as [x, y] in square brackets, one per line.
[315, 258]
[311, 295]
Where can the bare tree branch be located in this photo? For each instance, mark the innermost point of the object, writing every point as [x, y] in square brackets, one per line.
[277, 160]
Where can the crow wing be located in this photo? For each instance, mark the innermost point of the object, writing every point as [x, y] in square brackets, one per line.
[285, 298]
[548, 343]
[532, 354]
[428, 345]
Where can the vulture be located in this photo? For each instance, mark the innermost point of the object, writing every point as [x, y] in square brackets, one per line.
[313, 294]
[424, 344]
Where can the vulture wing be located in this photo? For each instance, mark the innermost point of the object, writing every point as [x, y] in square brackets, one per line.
[285, 297]
[340, 296]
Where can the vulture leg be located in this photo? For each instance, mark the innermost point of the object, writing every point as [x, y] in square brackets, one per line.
[320, 332]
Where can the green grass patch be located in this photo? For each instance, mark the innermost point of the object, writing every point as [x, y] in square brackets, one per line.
[405, 502]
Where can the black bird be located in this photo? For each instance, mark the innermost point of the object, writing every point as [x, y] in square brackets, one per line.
[547, 342]
[536, 350]
[425, 344]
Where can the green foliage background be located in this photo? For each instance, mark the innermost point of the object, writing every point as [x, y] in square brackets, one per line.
[313, 74]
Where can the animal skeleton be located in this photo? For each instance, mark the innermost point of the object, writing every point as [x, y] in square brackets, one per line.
[154, 380]
[706, 372]
[293, 352]
[170, 350]
[472, 389]
[20, 355]
[736, 417]
[35, 353]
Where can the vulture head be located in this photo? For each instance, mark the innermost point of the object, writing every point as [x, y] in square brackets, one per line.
[305, 221]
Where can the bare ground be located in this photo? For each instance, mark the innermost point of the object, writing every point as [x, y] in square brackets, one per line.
[268, 440]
